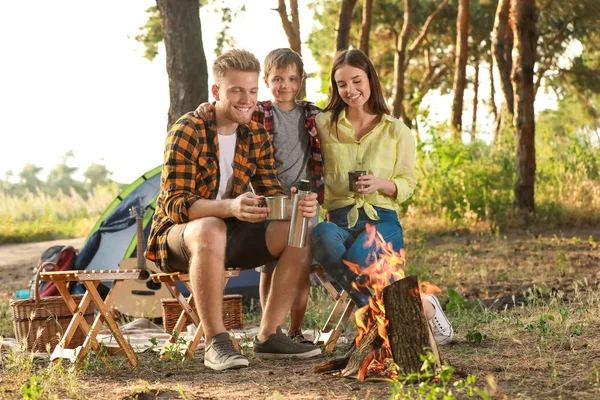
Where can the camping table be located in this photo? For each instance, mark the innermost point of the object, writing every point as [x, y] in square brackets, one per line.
[91, 280]
[186, 307]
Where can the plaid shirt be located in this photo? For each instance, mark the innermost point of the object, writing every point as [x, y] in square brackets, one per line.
[191, 172]
[263, 114]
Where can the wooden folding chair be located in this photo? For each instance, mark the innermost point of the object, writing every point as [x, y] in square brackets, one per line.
[91, 280]
[339, 316]
[187, 310]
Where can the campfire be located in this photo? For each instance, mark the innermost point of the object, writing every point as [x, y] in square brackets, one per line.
[392, 327]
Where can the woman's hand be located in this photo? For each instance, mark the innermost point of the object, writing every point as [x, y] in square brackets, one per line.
[367, 184]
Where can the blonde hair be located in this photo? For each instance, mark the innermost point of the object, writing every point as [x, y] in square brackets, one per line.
[283, 58]
[238, 59]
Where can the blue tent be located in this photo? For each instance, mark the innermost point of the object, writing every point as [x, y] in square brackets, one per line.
[114, 238]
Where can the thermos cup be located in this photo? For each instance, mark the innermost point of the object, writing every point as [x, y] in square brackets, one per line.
[299, 223]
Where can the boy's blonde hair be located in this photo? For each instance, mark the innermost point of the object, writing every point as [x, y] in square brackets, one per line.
[283, 58]
[238, 59]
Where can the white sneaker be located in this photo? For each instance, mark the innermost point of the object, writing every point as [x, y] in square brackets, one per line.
[442, 330]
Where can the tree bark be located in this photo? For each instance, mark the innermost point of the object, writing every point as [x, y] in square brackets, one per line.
[475, 101]
[502, 43]
[523, 18]
[292, 31]
[365, 28]
[408, 331]
[186, 61]
[342, 39]
[403, 56]
[492, 88]
[400, 61]
[460, 55]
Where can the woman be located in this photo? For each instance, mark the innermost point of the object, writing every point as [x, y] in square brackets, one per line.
[357, 132]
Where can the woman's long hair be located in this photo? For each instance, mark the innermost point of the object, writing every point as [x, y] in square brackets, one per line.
[357, 59]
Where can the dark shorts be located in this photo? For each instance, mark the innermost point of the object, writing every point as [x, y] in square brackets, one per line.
[246, 246]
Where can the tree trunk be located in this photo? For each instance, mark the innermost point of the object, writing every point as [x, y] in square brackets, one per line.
[475, 101]
[502, 43]
[342, 39]
[460, 55]
[400, 61]
[292, 31]
[365, 28]
[186, 62]
[408, 330]
[523, 16]
[492, 89]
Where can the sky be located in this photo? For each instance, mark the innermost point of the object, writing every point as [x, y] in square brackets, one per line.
[72, 77]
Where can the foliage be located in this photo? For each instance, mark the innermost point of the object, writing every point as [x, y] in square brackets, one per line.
[151, 34]
[434, 384]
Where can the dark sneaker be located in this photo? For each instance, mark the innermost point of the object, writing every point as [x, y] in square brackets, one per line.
[442, 330]
[221, 354]
[279, 345]
[298, 337]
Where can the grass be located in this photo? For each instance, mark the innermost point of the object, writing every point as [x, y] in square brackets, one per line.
[38, 216]
[541, 342]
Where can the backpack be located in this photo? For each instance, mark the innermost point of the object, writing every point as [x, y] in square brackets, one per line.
[64, 258]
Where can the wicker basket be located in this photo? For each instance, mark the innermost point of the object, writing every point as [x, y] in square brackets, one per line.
[232, 312]
[40, 322]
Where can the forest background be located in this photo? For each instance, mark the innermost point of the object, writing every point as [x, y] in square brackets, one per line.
[503, 97]
[450, 69]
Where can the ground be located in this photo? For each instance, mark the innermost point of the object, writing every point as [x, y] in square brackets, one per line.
[531, 297]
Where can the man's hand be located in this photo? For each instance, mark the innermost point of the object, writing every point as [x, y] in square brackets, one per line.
[249, 207]
[308, 205]
[204, 111]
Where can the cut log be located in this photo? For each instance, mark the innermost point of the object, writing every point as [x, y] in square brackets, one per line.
[408, 331]
[357, 364]
[336, 364]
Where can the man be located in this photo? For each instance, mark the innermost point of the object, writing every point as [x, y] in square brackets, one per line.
[206, 219]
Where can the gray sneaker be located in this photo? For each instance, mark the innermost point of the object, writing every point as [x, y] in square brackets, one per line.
[298, 337]
[220, 354]
[279, 345]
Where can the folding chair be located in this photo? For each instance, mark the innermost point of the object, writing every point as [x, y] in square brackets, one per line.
[332, 330]
[91, 280]
[187, 309]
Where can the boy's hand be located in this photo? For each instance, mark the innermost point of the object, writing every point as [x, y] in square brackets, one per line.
[249, 207]
[204, 111]
[308, 205]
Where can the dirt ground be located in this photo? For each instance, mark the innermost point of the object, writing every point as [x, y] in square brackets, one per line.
[484, 267]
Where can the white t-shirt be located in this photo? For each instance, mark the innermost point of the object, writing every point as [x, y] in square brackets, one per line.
[226, 157]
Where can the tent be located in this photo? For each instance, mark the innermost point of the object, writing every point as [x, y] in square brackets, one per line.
[113, 238]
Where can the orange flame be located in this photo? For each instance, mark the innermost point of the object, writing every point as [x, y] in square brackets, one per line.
[384, 266]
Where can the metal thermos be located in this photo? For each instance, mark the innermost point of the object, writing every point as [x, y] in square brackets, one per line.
[299, 223]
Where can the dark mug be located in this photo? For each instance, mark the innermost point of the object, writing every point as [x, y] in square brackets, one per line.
[353, 178]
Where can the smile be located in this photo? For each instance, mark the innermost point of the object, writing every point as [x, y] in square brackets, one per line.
[354, 97]
[244, 110]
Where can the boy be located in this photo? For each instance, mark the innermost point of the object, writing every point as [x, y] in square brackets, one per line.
[291, 125]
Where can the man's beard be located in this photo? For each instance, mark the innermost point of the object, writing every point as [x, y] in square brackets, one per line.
[233, 116]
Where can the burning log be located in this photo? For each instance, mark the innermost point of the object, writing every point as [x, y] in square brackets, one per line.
[408, 331]
[361, 358]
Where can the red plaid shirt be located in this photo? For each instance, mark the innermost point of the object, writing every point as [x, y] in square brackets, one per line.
[263, 114]
[191, 172]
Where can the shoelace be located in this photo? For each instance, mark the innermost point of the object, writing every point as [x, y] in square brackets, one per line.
[438, 325]
[225, 347]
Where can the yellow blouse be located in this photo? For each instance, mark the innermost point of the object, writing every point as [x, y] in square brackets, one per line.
[388, 151]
